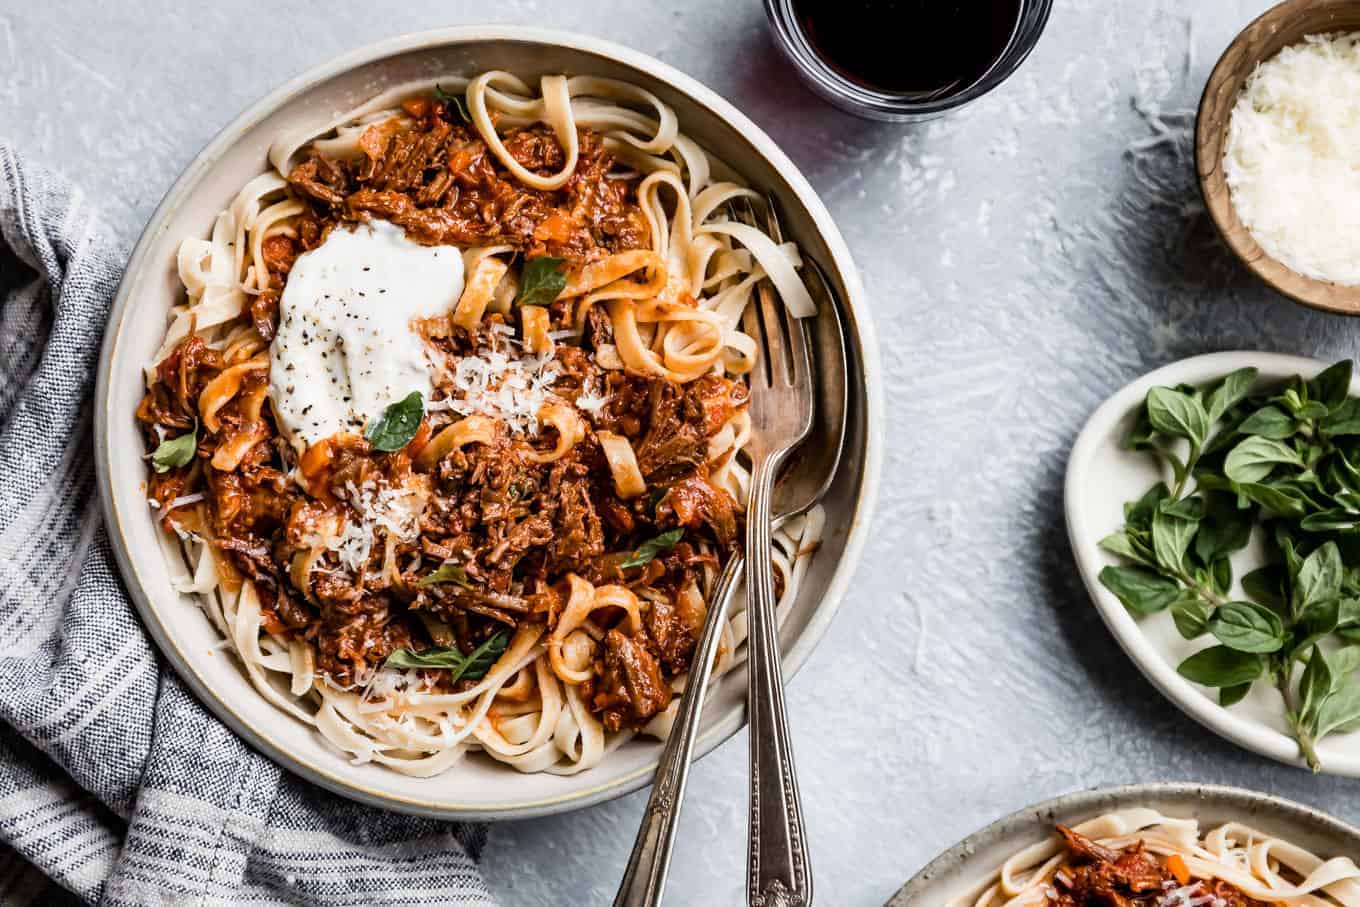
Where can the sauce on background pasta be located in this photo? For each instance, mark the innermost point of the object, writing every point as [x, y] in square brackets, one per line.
[448, 434]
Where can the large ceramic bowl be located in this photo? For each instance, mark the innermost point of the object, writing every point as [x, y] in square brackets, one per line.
[965, 865]
[476, 788]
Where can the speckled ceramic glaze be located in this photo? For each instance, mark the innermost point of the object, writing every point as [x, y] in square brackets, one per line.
[477, 788]
[976, 857]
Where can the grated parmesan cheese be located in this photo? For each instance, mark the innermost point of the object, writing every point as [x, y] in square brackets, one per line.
[497, 384]
[396, 510]
[591, 403]
[1292, 158]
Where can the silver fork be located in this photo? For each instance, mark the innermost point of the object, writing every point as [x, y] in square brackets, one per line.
[778, 873]
[644, 879]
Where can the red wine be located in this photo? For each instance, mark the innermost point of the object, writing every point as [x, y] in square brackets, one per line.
[909, 47]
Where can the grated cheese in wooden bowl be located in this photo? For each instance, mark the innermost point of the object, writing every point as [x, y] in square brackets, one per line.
[1292, 158]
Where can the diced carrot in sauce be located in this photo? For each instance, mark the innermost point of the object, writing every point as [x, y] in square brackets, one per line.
[461, 160]
[420, 439]
[556, 227]
[1176, 863]
[416, 107]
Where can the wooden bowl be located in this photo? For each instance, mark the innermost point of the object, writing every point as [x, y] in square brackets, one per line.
[1276, 29]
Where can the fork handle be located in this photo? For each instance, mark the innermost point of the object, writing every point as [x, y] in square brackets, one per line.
[778, 873]
[644, 879]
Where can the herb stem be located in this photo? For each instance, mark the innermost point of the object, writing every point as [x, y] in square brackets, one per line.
[1307, 745]
[1190, 463]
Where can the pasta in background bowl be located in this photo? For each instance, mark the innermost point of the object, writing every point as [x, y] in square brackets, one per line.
[1176, 844]
[670, 280]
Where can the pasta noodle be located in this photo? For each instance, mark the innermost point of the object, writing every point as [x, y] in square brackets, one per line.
[1256, 865]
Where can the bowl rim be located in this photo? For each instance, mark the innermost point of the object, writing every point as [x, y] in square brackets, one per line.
[1082, 539]
[1321, 295]
[760, 143]
[1015, 824]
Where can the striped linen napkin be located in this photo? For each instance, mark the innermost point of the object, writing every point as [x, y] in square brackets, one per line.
[116, 786]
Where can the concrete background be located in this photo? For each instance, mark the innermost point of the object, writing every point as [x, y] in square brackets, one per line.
[1025, 258]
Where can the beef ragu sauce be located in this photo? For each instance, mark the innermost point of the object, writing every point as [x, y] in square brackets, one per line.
[1097, 876]
[515, 525]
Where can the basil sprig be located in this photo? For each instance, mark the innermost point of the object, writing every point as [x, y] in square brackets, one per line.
[652, 547]
[1281, 462]
[448, 572]
[398, 425]
[472, 666]
[541, 281]
[454, 105]
[173, 453]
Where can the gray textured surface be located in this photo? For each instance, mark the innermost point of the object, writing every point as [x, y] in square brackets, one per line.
[1026, 259]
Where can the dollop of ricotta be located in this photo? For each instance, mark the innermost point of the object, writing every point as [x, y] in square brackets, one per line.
[345, 348]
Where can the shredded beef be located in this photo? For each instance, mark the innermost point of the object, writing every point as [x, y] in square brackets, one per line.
[630, 689]
[440, 183]
[1099, 876]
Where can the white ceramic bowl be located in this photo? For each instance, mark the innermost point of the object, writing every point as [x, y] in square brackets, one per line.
[1101, 476]
[478, 788]
[959, 869]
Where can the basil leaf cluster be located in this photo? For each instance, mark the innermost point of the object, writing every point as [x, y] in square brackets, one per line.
[1275, 462]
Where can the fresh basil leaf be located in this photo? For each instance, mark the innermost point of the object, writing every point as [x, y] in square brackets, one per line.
[1316, 623]
[1266, 585]
[1212, 481]
[1285, 542]
[176, 452]
[1191, 614]
[1334, 520]
[448, 572]
[1312, 409]
[1255, 458]
[1333, 384]
[1220, 575]
[1247, 627]
[455, 108]
[1139, 513]
[1230, 696]
[1319, 578]
[1340, 475]
[1187, 508]
[398, 425]
[1341, 711]
[472, 666]
[1224, 529]
[1268, 422]
[541, 281]
[1119, 543]
[1348, 612]
[1231, 391]
[1177, 414]
[1291, 398]
[652, 547]
[1171, 537]
[1282, 499]
[1342, 421]
[1344, 663]
[1220, 666]
[1315, 685]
